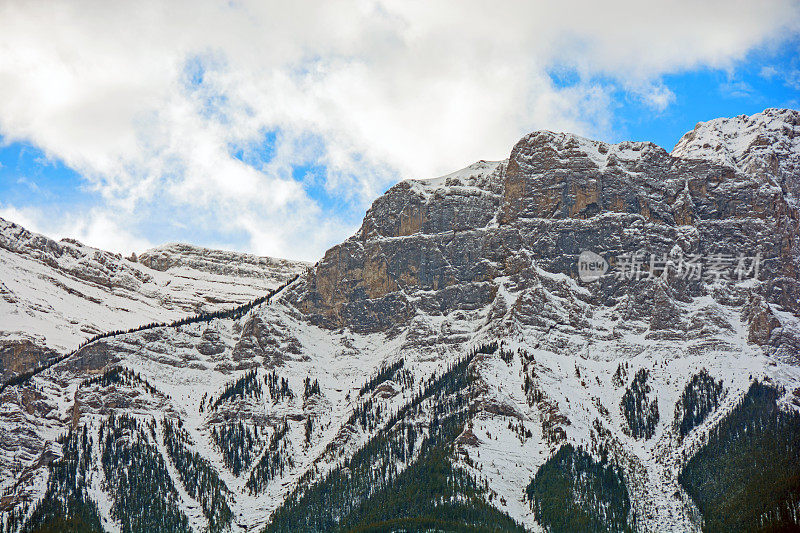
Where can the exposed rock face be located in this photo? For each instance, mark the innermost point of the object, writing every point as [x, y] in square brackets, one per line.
[71, 257]
[365, 282]
[19, 353]
[440, 245]
[766, 143]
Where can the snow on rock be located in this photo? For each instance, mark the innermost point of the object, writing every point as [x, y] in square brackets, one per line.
[766, 142]
[186, 260]
[56, 294]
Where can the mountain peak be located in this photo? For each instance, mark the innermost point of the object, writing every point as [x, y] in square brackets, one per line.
[762, 143]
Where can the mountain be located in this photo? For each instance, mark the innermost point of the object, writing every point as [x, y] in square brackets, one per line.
[54, 295]
[764, 143]
[582, 337]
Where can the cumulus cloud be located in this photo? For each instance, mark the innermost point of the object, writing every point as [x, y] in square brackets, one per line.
[153, 102]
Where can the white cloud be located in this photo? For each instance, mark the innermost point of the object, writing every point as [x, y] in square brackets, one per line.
[736, 89]
[382, 89]
[28, 183]
[792, 79]
[657, 96]
[768, 72]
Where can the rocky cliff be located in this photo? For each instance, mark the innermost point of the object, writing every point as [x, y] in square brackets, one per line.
[440, 245]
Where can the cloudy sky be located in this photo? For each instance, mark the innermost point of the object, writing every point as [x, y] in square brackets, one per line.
[270, 127]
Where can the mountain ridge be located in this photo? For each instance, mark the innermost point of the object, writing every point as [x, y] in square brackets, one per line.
[56, 294]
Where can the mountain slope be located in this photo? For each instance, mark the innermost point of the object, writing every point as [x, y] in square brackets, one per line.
[447, 367]
[53, 295]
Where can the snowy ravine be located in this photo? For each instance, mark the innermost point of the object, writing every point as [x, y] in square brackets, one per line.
[450, 338]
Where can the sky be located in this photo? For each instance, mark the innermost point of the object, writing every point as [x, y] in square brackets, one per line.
[270, 127]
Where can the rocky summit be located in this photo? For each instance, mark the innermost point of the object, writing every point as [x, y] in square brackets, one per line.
[447, 368]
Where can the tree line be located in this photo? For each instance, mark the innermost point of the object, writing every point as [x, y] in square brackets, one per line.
[234, 313]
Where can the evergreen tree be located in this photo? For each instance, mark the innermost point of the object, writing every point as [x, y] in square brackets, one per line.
[145, 498]
[747, 476]
[700, 398]
[274, 461]
[239, 443]
[640, 412]
[66, 506]
[572, 492]
[198, 477]
[395, 483]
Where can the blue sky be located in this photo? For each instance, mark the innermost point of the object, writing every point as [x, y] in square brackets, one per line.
[765, 78]
[237, 126]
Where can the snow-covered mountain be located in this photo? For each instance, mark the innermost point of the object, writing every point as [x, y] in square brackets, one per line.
[448, 368]
[764, 143]
[53, 295]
